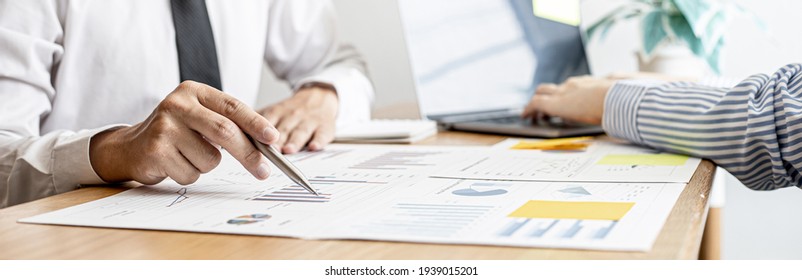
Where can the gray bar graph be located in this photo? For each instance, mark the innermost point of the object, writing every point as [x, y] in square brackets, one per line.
[571, 232]
[427, 219]
[513, 227]
[539, 232]
[294, 194]
[602, 233]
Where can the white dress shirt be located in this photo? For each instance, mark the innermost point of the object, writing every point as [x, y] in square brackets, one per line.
[71, 69]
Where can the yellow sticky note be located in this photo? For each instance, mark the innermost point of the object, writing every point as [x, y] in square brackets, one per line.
[580, 210]
[562, 11]
[573, 143]
[644, 159]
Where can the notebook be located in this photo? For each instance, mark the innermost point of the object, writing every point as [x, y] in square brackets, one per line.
[386, 131]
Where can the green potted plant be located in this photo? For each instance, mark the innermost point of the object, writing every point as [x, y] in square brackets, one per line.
[678, 36]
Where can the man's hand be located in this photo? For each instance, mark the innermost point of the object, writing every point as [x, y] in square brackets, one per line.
[579, 99]
[306, 117]
[174, 141]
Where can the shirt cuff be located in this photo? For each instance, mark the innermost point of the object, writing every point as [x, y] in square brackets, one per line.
[354, 91]
[620, 119]
[71, 163]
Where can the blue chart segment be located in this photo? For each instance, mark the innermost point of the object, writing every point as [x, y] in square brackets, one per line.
[513, 227]
[473, 192]
[575, 190]
[573, 230]
[557, 229]
[294, 193]
[423, 219]
[396, 161]
[483, 189]
[572, 192]
[540, 231]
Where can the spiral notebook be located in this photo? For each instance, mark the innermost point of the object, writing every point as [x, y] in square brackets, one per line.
[386, 131]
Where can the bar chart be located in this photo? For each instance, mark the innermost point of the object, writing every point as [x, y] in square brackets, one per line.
[565, 219]
[557, 229]
[398, 160]
[426, 219]
[294, 193]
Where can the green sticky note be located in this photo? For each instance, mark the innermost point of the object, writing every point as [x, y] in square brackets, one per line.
[562, 11]
[644, 159]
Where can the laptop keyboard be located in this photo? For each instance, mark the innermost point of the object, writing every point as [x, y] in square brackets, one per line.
[551, 122]
[506, 120]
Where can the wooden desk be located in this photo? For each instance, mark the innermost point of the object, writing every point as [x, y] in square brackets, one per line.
[680, 238]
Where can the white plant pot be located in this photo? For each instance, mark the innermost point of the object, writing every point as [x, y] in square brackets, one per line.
[674, 60]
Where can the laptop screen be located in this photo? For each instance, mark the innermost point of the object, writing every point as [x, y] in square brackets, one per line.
[480, 55]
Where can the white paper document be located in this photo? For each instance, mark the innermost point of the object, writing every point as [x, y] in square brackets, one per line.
[601, 161]
[386, 193]
[599, 216]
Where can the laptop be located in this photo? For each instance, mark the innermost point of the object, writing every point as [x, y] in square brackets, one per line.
[476, 64]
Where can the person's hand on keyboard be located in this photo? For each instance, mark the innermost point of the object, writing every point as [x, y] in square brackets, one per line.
[579, 99]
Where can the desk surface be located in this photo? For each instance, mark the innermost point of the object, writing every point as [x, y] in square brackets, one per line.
[680, 238]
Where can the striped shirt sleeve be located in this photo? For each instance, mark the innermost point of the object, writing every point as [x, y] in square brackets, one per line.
[753, 130]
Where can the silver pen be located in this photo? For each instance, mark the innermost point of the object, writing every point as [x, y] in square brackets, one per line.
[283, 164]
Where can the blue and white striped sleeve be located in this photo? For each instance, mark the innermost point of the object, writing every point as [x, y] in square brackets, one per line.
[753, 130]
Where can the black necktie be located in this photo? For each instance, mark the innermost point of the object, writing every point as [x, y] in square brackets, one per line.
[197, 56]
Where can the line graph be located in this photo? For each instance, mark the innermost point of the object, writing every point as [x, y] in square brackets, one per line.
[182, 195]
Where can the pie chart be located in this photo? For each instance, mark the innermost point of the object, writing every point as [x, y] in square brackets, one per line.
[474, 192]
[248, 219]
